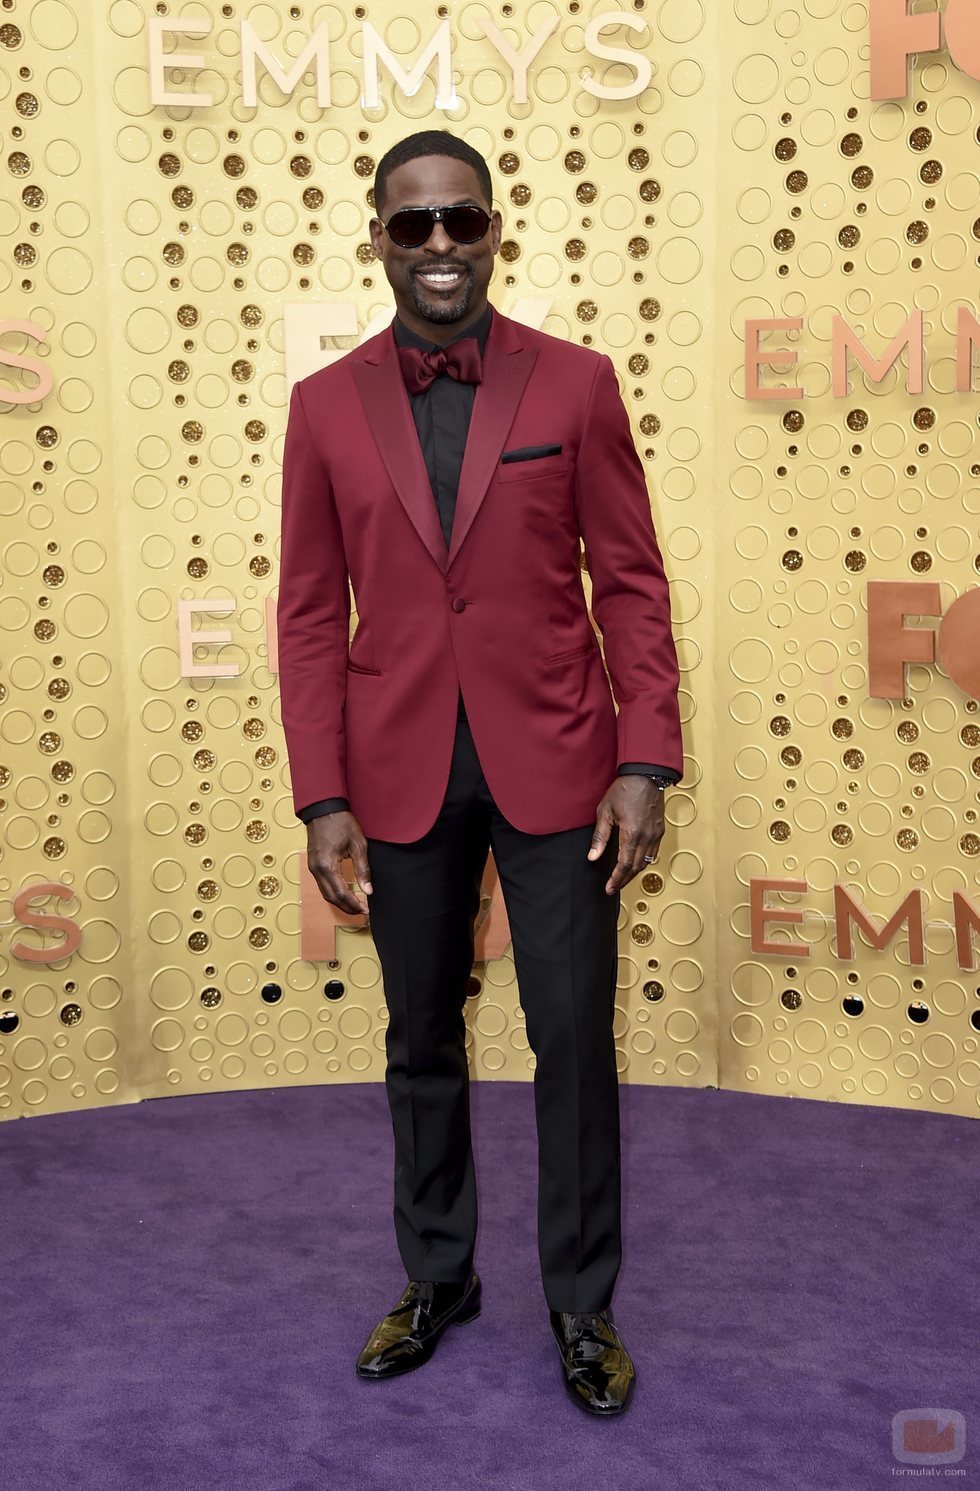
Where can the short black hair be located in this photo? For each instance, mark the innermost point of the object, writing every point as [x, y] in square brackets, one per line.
[429, 142]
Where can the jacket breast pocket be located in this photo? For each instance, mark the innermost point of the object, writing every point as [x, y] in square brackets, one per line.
[359, 668]
[533, 462]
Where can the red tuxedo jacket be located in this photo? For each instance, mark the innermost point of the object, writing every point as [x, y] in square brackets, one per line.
[500, 613]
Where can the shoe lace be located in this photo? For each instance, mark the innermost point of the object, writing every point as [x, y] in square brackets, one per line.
[584, 1323]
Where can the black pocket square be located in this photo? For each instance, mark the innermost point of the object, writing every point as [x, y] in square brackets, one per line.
[530, 452]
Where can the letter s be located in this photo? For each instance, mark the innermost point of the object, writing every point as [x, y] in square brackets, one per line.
[29, 918]
[13, 360]
[640, 64]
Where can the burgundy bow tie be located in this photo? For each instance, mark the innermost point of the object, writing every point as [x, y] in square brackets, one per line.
[461, 360]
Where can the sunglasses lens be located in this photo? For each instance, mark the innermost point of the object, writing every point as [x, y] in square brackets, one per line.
[466, 224]
[410, 228]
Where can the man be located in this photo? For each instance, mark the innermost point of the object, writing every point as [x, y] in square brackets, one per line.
[448, 468]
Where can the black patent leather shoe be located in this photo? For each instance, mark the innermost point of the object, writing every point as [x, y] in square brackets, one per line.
[598, 1370]
[408, 1334]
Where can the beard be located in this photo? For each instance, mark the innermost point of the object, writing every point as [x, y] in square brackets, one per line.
[432, 308]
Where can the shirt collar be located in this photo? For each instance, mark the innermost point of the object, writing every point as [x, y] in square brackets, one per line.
[405, 337]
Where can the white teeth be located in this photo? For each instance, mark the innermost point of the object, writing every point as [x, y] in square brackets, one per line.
[441, 279]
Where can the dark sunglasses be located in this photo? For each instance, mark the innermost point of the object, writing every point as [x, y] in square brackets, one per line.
[410, 227]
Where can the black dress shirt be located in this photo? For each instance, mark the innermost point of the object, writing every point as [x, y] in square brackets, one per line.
[442, 418]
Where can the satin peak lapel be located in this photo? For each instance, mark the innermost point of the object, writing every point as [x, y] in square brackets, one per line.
[385, 398]
[507, 364]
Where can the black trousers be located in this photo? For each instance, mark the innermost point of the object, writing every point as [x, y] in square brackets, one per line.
[423, 907]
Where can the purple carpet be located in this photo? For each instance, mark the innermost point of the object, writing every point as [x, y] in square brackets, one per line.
[188, 1282]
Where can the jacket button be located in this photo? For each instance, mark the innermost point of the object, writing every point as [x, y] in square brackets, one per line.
[459, 605]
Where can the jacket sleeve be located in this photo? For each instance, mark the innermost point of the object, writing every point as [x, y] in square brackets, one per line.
[630, 594]
[312, 619]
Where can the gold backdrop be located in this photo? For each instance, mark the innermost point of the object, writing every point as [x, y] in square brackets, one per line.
[170, 268]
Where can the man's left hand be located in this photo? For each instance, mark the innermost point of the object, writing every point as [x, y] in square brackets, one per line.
[636, 804]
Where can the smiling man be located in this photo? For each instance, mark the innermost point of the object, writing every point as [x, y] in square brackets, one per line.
[450, 469]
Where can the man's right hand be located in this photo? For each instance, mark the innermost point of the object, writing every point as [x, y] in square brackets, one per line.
[329, 839]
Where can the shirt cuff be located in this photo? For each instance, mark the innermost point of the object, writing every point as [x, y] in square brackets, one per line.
[643, 768]
[325, 805]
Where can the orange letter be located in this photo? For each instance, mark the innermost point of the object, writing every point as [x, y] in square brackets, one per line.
[847, 908]
[890, 644]
[778, 357]
[967, 335]
[186, 637]
[963, 36]
[966, 920]
[760, 913]
[29, 918]
[958, 642]
[895, 35]
[45, 380]
[844, 337]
